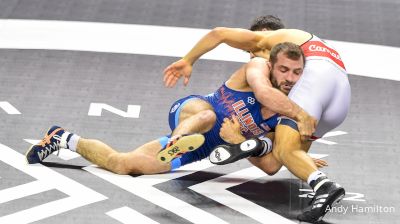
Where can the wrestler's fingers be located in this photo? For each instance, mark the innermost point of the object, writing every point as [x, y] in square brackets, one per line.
[305, 136]
[171, 81]
[167, 81]
[176, 74]
[185, 81]
[174, 81]
[171, 68]
[320, 163]
[226, 122]
[168, 68]
[166, 77]
[167, 73]
[235, 120]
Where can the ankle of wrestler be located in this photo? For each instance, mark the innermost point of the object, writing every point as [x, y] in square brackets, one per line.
[266, 146]
[69, 141]
[316, 179]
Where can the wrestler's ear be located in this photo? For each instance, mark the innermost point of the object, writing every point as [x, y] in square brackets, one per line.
[269, 65]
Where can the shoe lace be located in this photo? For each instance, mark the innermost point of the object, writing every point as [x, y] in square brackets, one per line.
[46, 141]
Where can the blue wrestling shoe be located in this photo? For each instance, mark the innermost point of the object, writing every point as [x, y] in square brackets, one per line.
[179, 145]
[49, 144]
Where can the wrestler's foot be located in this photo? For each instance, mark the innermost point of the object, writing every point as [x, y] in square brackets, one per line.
[326, 195]
[179, 145]
[224, 154]
[49, 144]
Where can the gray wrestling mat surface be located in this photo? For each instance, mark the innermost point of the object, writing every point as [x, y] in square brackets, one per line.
[58, 87]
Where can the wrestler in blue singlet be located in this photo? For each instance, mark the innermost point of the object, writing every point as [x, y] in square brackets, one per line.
[225, 102]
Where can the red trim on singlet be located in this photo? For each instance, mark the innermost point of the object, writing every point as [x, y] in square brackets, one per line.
[319, 49]
[313, 138]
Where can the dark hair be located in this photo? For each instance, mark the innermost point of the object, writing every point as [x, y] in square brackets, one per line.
[268, 22]
[290, 50]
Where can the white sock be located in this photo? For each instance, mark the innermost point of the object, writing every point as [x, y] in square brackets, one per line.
[69, 141]
[267, 145]
[73, 142]
[314, 176]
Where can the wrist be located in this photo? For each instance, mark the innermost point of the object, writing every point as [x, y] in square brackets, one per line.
[239, 139]
[300, 115]
[188, 60]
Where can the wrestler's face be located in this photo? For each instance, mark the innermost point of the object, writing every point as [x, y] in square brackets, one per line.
[285, 72]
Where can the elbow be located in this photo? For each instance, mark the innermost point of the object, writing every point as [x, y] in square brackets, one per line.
[218, 33]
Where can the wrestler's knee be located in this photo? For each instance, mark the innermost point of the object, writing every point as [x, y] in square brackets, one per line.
[207, 117]
[267, 164]
[271, 170]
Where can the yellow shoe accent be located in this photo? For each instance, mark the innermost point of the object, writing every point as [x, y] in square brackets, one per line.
[182, 145]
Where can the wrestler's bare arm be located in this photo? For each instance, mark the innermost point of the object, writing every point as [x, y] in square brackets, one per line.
[273, 99]
[239, 38]
[234, 37]
[244, 39]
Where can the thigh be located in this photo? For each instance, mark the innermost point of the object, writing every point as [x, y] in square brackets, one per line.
[337, 109]
[307, 91]
[186, 107]
[316, 91]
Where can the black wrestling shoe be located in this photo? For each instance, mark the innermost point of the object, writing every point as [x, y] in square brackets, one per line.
[326, 195]
[224, 154]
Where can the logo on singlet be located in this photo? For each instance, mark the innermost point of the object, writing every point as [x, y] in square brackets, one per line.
[322, 49]
[174, 108]
[251, 100]
[265, 126]
[319, 49]
[246, 119]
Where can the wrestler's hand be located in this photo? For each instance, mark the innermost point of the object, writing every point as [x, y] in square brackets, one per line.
[306, 125]
[319, 162]
[175, 71]
[230, 131]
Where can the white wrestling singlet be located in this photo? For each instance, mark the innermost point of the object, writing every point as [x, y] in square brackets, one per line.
[323, 91]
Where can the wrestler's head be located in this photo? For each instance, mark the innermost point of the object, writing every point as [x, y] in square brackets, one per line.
[267, 22]
[286, 63]
[264, 23]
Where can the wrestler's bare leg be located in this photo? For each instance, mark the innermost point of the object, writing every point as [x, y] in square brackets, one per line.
[290, 151]
[196, 116]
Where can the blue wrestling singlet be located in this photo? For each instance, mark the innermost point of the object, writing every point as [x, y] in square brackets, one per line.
[226, 102]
